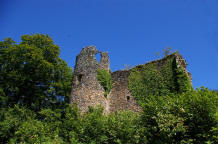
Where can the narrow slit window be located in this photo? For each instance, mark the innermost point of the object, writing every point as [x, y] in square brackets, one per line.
[128, 98]
[80, 78]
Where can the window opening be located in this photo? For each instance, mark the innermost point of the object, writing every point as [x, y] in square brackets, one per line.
[128, 98]
[79, 77]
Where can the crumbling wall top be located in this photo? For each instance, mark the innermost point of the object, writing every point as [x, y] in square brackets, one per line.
[86, 62]
[105, 62]
[89, 50]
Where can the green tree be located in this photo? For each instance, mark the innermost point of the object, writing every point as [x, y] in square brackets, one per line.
[32, 73]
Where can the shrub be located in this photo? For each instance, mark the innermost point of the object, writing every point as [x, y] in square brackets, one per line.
[34, 131]
[189, 117]
[11, 119]
[200, 114]
[104, 78]
[71, 127]
[125, 127]
[162, 120]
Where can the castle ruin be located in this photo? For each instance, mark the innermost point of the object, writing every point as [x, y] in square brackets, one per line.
[87, 91]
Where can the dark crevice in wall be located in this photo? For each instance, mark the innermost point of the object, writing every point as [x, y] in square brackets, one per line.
[128, 98]
[79, 78]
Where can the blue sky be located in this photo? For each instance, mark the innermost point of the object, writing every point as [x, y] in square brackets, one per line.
[132, 31]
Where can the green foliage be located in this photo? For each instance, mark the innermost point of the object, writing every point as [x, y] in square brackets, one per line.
[158, 78]
[163, 121]
[32, 73]
[114, 128]
[189, 117]
[146, 81]
[125, 127]
[11, 119]
[173, 111]
[104, 78]
[21, 125]
[93, 127]
[35, 131]
[200, 114]
[183, 83]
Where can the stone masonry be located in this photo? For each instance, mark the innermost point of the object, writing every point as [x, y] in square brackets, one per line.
[120, 97]
[86, 90]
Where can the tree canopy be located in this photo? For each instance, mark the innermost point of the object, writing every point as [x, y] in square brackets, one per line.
[32, 73]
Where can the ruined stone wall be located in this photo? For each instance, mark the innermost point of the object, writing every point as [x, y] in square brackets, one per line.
[86, 90]
[180, 60]
[120, 97]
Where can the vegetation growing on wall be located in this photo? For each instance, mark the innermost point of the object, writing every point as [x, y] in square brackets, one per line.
[183, 83]
[158, 78]
[105, 79]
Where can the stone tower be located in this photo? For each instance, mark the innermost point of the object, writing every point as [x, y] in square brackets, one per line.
[86, 90]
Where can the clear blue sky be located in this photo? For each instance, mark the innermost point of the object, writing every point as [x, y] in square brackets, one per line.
[132, 31]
